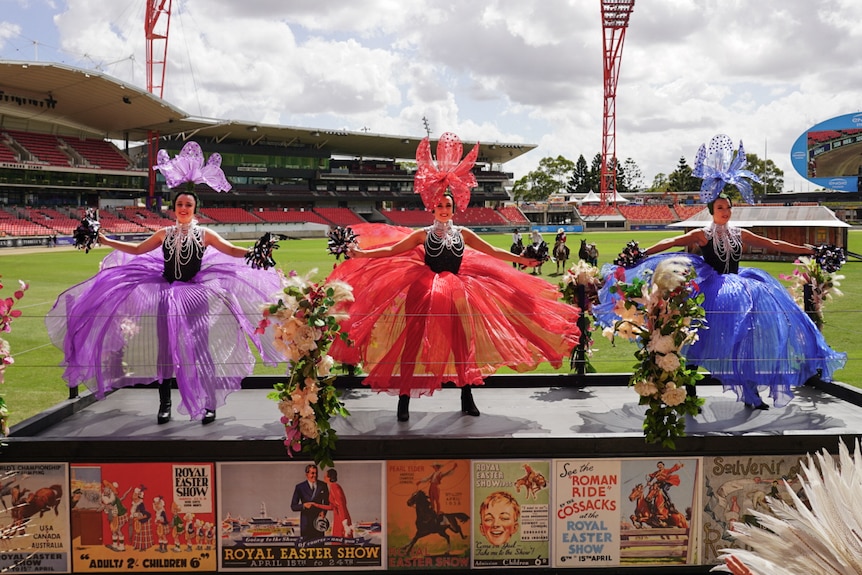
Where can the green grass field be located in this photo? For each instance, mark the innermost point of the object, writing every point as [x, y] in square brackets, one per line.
[34, 383]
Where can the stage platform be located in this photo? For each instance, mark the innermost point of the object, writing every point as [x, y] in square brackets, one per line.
[524, 417]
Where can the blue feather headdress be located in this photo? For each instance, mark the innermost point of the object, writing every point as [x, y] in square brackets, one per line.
[718, 167]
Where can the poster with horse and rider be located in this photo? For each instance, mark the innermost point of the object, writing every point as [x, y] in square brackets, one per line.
[625, 511]
[429, 515]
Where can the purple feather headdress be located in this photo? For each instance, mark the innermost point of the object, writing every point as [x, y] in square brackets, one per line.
[718, 167]
[188, 167]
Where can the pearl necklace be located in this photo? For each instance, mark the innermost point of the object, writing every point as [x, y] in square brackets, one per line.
[182, 243]
[442, 235]
[726, 242]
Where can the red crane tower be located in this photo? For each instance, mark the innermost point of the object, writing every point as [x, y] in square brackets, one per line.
[157, 20]
[615, 21]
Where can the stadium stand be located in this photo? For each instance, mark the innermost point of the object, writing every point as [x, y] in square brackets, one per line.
[148, 219]
[52, 219]
[409, 218]
[514, 215]
[7, 154]
[480, 217]
[281, 216]
[44, 148]
[340, 216]
[12, 225]
[98, 153]
[230, 216]
[114, 224]
[586, 210]
[685, 211]
[659, 214]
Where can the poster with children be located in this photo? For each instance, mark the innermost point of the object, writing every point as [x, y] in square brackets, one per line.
[734, 487]
[150, 517]
[625, 512]
[34, 519]
[511, 510]
[296, 516]
[428, 514]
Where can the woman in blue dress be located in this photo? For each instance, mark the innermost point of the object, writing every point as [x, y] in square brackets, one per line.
[757, 337]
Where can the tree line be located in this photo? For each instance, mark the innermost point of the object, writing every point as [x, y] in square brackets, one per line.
[562, 176]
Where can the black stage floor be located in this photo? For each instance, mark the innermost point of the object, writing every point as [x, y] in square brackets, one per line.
[540, 415]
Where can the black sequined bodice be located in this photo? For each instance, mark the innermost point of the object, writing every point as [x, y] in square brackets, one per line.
[183, 250]
[444, 248]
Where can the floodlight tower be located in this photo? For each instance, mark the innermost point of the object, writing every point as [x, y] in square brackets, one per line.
[157, 20]
[615, 21]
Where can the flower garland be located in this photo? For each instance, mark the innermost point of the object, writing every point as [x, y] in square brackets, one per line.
[306, 324]
[7, 314]
[823, 282]
[582, 276]
[664, 316]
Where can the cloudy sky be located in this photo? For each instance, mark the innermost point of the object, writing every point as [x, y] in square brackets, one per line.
[761, 71]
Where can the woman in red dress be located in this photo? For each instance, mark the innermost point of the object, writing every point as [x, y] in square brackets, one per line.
[428, 311]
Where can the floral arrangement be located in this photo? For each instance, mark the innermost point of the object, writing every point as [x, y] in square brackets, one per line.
[7, 314]
[306, 323]
[582, 276]
[824, 285]
[664, 316]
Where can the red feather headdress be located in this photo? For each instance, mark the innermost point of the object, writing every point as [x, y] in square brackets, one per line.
[449, 172]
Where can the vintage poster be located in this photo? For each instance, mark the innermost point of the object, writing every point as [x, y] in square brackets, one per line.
[428, 514]
[295, 516]
[156, 517]
[736, 485]
[512, 516]
[625, 512]
[35, 518]
[586, 512]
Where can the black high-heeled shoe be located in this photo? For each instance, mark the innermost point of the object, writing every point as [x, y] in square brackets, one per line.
[468, 406]
[164, 413]
[403, 407]
[209, 416]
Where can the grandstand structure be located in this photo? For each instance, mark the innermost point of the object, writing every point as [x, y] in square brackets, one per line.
[72, 139]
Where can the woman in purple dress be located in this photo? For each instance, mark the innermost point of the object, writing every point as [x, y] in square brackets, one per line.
[183, 313]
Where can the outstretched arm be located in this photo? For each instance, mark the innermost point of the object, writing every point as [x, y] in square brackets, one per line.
[480, 245]
[414, 239]
[211, 238]
[752, 239]
[143, 247]
[689, 239]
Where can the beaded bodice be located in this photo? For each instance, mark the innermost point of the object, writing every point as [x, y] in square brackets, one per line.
[444, 247]
[723, 248]
[183, 249]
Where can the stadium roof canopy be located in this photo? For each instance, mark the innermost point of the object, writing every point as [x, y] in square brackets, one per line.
[60, 99]
[771, 216]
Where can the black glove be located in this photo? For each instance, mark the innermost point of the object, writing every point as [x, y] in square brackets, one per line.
[340, 240]
[87, 233]
[630, 256]
[829, 257]
[260, 256]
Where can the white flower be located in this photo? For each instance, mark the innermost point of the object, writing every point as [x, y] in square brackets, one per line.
[661, 343]
[673, 395]
[645, 388]
[308, 427]
[324, 366]
[667, 362]
[671, 273]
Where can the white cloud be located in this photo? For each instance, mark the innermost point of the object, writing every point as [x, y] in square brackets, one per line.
[506, 70]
